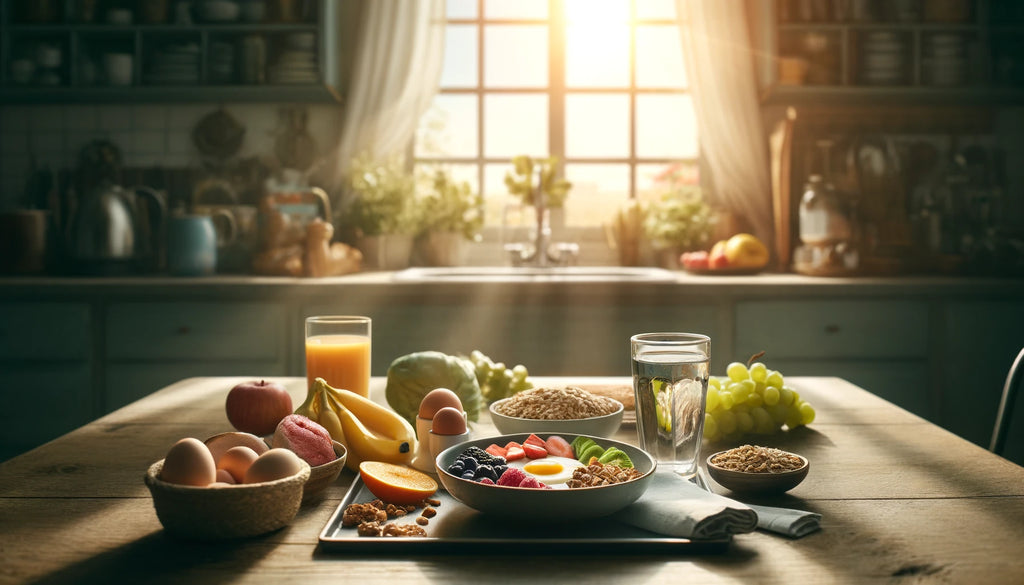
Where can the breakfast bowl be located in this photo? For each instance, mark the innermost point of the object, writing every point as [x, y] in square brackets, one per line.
[598, 426]
[539, 504]
[226, 511]
[758, 481]
[324, 475]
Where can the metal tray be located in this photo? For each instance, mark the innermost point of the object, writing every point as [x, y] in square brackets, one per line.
[458, 529]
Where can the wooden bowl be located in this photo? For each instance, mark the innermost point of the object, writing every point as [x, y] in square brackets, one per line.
[745, 482]
[221, 512]
[324, 475]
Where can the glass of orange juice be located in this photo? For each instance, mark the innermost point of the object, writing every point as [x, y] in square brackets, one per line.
[338, 350]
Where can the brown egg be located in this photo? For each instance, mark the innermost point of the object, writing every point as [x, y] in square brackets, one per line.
[448, 421]
[274, 464]
[219, 444]
[437, 399]
[236, 461]
[189, 462]
[224, 478]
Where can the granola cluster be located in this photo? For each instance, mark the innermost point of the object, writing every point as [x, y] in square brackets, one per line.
[598, 474]
[755, 459]
[371, 518]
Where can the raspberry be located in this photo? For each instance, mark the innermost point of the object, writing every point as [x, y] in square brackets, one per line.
[531, 482]
[487, 481]
[512, 477]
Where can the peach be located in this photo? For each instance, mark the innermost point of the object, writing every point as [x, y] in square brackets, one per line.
[305, 438]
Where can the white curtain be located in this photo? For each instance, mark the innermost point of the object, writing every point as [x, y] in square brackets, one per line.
[720, 67]
[396, 71]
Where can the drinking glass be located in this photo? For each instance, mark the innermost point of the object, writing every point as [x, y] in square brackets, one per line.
[670, 383]
[338, 350]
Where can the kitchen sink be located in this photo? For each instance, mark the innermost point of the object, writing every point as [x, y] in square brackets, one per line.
[537, 274]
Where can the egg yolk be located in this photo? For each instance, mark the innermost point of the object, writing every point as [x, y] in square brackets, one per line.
[543, 467]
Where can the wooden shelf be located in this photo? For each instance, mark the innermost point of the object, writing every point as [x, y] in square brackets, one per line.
[906, 94]
[171, 93]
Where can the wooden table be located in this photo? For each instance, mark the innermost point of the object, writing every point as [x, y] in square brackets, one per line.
[902, 501]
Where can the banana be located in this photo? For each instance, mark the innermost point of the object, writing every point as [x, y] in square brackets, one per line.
[328, 419]
[382, 421]
[309, 408]
[364, 445]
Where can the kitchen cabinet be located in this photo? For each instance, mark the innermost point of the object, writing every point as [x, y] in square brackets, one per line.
[46, 372]
[147, 52]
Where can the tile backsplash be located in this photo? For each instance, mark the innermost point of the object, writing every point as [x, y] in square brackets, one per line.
[148, 135]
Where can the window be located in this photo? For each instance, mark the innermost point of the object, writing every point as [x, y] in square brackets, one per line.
[598, 83]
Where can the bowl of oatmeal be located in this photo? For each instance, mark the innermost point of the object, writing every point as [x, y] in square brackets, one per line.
[570, 410]
[752, 468]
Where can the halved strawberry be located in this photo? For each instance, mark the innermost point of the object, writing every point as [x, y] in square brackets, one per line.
[514, 451]
[534, 452]
[496, 450]
[558, 446]
[534, 440]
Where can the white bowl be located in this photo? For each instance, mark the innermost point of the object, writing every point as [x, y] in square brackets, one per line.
[598, 426]
[543, 505]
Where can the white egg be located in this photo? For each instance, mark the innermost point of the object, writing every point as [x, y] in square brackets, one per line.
[551, 470]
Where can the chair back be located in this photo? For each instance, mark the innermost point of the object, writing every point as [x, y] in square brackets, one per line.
[1006, 405]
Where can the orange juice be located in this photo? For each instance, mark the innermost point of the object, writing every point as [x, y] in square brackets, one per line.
[342, 360]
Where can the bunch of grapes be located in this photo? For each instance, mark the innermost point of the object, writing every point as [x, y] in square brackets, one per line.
[496, 381]
[752, 400]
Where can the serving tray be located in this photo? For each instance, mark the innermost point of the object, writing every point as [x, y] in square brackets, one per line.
[458, 529]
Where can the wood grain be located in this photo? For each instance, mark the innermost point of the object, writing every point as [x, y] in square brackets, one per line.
[901, 499]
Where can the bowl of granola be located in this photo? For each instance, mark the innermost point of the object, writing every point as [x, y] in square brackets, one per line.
[752, 468]
[570, 410]
[545, 487]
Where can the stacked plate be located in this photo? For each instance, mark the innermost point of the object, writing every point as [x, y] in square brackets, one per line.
[296, 63]
[175, 64]
[884, 58]
[222, 62]
[945, 62]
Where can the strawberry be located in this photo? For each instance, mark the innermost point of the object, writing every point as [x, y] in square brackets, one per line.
[558, 446]
[514, 451]
[496, 450]
[534, 452]
[534, 440]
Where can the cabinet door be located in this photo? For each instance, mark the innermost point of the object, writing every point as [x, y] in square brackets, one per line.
[980, 343]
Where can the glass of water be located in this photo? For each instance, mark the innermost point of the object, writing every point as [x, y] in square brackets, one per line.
[670, 382]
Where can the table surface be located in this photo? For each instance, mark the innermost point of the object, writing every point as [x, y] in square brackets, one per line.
[902, 500]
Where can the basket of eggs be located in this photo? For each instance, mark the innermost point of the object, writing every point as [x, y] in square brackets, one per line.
[246, 490]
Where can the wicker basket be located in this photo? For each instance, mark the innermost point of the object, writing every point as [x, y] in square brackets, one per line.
[225, 511]
[324, 475]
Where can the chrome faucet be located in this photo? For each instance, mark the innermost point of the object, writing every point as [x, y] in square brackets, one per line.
[541, 255]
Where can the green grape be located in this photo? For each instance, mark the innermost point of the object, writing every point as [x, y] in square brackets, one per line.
[763, 423]
[726, 422]
[749, 386]
[737, 371]
[796, 396]
[713, 382]
[744, 422]
[774, 379]
[806, 413]
[771, 395]
[793, 419]
[726, 399]
[754, 400]
[760, 387]
[778, 412]
[711, 402]
[785, 395]
[758, 372]
[710, 427]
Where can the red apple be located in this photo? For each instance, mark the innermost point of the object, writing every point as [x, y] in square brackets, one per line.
[256, 407]
[696, 260]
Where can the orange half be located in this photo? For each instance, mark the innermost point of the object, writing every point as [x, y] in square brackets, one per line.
[396, 484]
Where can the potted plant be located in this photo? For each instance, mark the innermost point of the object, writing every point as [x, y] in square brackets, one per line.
[450, 214]
[382, 214]
[680, 221]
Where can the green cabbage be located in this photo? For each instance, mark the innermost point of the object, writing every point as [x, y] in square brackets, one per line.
[412, 376]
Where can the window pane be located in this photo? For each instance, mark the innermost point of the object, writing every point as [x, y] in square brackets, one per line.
[515, 124]
[655, 9]
[653, 179]
[607, 11]
[597, 54]
[460, 56]
[515, 56]
[449, 128]
[597, 191]
[461, 9]
[496, 194]
[665, 127]
[516, 9]
[597, 125]
[659, 57]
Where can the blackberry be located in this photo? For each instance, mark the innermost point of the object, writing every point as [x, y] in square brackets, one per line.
[486, 471]
[470, 463]
[469, 475]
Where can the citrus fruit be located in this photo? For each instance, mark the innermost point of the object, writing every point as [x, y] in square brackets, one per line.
[396, 484]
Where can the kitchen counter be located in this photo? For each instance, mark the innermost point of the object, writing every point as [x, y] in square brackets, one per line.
[899, 496]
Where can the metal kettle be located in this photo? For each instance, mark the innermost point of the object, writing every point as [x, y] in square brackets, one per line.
[117, 230]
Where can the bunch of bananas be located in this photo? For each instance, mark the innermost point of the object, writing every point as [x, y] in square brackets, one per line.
[369, 431]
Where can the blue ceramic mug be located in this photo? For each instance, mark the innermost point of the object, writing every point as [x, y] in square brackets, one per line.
[191, 245]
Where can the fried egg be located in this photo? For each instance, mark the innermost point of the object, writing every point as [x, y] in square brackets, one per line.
[551, 470]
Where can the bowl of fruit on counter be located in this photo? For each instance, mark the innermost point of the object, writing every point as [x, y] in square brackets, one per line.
[537, 477]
